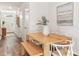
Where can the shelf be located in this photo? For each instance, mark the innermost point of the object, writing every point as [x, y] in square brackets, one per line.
[32, 49]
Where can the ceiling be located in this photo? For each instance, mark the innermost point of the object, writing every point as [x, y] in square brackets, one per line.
[13, 5]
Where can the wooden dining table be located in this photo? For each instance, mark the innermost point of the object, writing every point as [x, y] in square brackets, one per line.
[47, 40]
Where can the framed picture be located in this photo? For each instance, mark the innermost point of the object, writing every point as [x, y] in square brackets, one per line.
[65, 14]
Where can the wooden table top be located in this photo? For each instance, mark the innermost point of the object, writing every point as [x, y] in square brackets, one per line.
[51, 38]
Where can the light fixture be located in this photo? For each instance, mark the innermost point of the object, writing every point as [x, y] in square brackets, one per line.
[10, 7]
[27, 9]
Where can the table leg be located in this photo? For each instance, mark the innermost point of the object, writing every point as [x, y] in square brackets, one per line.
[47, 50]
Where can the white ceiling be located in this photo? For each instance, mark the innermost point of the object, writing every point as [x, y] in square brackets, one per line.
[13, 5]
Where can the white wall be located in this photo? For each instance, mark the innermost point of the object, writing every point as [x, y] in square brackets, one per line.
[37, 10]
[52, 18]
[71, 31]
[75, 30]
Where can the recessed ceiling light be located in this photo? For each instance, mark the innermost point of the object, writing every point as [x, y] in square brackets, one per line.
[26, 9]
[10, 7]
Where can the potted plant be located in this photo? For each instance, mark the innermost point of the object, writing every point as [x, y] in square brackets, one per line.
[3, 24]
[44, 22]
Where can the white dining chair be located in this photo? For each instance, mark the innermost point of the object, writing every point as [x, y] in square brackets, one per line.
[62, 49]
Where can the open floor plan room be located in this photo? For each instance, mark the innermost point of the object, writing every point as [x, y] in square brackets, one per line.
[39, 28]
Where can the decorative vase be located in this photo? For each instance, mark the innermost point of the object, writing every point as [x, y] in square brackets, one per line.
[45, 30]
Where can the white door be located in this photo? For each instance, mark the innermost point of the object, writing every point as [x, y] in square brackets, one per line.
[9, 17]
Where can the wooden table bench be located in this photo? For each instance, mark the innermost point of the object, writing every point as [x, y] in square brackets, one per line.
[32, 49]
